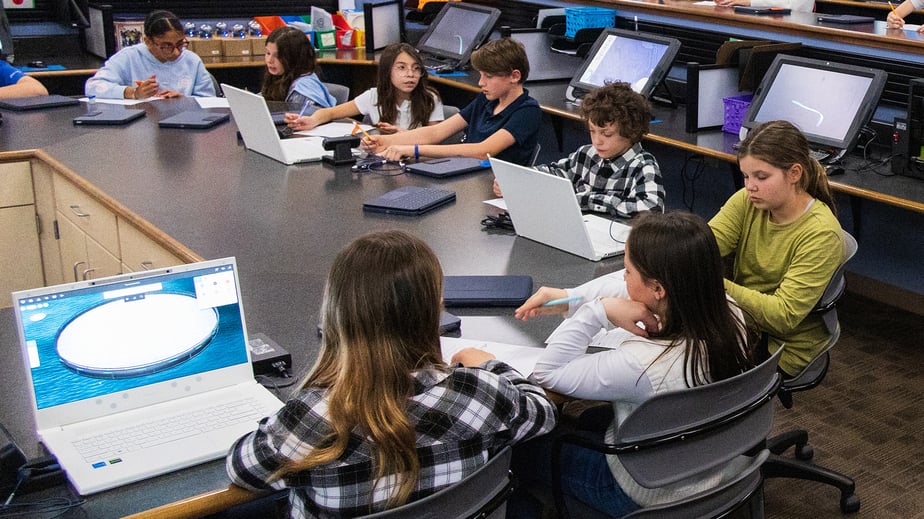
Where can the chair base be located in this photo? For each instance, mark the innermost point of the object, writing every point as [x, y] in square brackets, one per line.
[777, 466]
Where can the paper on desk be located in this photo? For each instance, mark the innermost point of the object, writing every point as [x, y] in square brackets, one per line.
[499, 203]
[123, 102]
[333, 129]
[213, 102]
[520, 358]
[911, 27]
[705, 2]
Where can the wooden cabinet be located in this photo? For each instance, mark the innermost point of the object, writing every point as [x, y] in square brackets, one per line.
[87, 232]
[54, 229]
[140, 252]
[20, 254]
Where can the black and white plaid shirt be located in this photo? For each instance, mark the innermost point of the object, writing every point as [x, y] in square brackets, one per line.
[622, 186]
[460, 416]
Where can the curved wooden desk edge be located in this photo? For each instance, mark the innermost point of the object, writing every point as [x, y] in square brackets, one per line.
[201, 505]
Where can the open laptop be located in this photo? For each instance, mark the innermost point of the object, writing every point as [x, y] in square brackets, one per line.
[194, 119]
[457, 30]
[36, 102]
[409, 200]
[543, 208]
[111, 361]
[259, 132]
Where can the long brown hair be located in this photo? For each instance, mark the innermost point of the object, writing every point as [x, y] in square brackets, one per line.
[422, 97]
[782, 145]
[380, 322]
[679, 250]
[297, 56]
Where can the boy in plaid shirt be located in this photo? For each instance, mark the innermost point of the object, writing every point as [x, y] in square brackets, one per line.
[613, 174]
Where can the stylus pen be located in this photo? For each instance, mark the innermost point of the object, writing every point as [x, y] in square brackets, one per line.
[561, 301]
[304, 108]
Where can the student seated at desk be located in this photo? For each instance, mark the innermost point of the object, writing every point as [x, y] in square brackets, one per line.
[503, 121]
[402, 100]
[381, 420]
[156, 67]
[694, 334]
[896, 18]
[786, 241]
[291, 62]
[613, 174]
[795, 5]
[14, 83]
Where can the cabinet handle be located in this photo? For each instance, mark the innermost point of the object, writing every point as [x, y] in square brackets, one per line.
[76, 209]
[86, 273]
[147, 265]
[79, 263]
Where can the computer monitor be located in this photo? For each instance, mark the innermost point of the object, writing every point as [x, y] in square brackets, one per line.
[456, 31]
[637, 58]
[830, 102]
[384, 23]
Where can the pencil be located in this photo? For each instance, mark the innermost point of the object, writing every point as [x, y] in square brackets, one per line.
[356, 126]
[892, 7]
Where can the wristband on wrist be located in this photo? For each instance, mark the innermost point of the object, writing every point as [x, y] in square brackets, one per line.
[416, 152]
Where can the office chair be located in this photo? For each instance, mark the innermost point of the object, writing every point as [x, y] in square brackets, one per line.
[679, 434]
[801, 466]
[456, 138]
[216, 85]
[340, 92]
[482, 494]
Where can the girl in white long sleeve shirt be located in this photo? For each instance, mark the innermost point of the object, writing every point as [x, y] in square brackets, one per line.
[695, 334]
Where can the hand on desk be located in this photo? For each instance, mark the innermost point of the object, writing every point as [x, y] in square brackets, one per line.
[533, 307]
[731, 3]
[378, 145]
[151, 88]
[471, 357]
[302, 122]
[497, 190]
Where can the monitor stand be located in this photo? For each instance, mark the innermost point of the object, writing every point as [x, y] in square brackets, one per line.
[662, 95]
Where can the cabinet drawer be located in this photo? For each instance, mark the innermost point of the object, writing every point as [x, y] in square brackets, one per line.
[140, 252]
[88, 214]
[15, 184]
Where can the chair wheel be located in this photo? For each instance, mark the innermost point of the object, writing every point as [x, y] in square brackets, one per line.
[804, 452]
[850, 504]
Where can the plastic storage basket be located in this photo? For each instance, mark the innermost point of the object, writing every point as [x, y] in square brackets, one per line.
[577, 18]
[736, 107]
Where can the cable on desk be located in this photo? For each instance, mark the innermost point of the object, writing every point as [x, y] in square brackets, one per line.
[276, 383]
[45, 508]
[501, 221]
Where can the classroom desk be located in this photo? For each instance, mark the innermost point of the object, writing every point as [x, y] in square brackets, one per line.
[284, 225]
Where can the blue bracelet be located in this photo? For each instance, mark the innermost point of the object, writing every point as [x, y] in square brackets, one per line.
[416, 153]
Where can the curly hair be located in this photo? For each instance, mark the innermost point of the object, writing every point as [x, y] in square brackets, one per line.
[616, 103]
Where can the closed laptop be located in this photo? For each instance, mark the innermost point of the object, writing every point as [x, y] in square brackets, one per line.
[109, 116]
[447, 166]
[409, 200]
[510, 290]
[194, 119]
[37, 102]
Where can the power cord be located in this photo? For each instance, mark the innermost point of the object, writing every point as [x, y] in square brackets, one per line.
[499, 222]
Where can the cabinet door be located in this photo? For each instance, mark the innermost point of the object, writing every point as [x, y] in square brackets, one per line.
[87, 214]
[19, 252]
[15, 184]
[140, 252]
[72, 242]
[101, 262]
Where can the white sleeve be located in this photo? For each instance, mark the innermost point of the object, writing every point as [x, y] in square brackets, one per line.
[437, 115]
[611, 375]
[365, 102]
[609, 285]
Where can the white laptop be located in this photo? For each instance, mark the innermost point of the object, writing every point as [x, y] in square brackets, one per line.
[255, 123]
[140, 374]
[543, 208]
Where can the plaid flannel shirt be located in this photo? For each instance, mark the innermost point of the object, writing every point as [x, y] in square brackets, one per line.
[622, 186]
[460, 416]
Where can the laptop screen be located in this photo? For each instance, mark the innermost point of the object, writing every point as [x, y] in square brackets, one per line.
[89, 339]
[830, 102]
[640, 59]
[457, 30]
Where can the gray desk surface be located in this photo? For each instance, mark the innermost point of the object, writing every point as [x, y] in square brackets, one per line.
[283, 223]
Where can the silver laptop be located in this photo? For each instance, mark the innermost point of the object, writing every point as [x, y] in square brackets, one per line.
[140, 374]
[543, 208]
[256, 125]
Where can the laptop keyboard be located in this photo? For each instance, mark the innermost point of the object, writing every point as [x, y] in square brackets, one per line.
[193, 423]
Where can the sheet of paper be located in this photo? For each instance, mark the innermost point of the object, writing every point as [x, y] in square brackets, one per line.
[334, 129]
[911, 27]
[123, 102]
[520, 358]
[705, 2]
[213, 102]
[499, 203]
